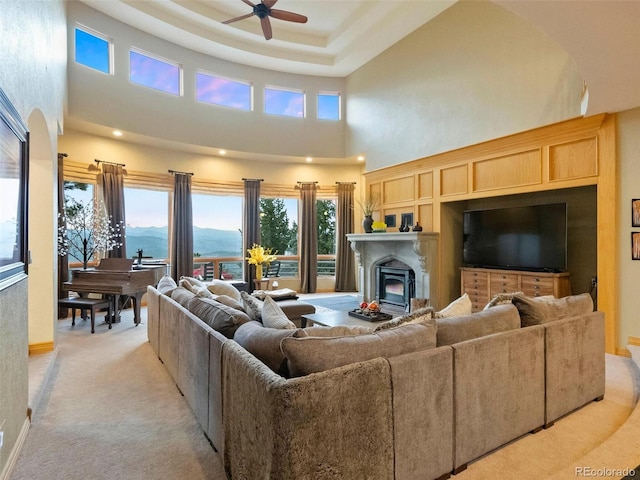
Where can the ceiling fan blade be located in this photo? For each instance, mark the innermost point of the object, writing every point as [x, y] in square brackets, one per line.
[269, 3]
[266, 28]
[239, 18]
[288, 16]
[249, 3]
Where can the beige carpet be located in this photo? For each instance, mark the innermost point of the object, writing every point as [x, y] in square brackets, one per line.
[111, 411]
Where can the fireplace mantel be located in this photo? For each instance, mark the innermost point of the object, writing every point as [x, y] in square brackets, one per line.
[419, 250]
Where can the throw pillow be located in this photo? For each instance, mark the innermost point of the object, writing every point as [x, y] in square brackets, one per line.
[264, 344]
[166, 285]
[540, 310]
[182, 296]
[202, 292]
[220, 287]
[229, 302]
[316, 354]
[273, 316]
[493, 320]
[221, 318]
[460, 306]
[280, 294]
[420, 315]
[339, 331]
[252, 306]
[501, 299]
[190, 282]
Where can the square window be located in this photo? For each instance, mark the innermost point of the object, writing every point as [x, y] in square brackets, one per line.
[329, 106]
[93, 50]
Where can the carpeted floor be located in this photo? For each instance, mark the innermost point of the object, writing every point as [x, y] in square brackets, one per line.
[111, 411]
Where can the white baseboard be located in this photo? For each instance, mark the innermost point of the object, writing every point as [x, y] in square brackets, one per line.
[15, 452]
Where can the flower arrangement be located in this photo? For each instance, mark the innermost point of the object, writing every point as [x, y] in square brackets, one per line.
[258, 256]
[86, 229]
[379, 226]
[369, 204]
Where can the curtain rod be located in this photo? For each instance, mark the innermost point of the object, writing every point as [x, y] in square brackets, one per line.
[253, 179]
[307, 183]
[345, 183]
[181, 173]
[108, 163]
[62, 155]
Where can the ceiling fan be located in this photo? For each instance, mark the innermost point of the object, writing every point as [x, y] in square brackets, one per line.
[263, 11]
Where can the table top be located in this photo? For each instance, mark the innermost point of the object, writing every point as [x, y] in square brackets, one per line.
[338, 318]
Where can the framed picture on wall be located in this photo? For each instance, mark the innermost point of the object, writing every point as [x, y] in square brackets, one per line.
[407, 219]
[635, 212]
[14, 154]
[390, 220]
[635, 245]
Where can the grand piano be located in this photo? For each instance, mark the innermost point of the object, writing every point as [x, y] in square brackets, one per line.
[117, 277]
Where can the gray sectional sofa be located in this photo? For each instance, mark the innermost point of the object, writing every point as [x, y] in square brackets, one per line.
[462, 387]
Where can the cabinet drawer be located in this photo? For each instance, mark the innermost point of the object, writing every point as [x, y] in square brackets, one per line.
[536, 286]
[471, 279]
[503, 283]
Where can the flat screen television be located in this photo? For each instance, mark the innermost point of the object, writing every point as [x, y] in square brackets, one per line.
[521, 238]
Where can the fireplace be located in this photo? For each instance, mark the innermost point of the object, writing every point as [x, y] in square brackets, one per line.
[395, 286]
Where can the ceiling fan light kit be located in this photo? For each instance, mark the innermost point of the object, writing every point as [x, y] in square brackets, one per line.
[263, 11]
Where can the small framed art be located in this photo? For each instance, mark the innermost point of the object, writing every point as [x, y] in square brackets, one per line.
[407, 219]
[390, 220]
[635, 212]
[635, 245]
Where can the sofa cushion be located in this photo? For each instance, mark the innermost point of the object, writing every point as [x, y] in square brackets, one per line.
[252, 306]
[417, 316]
[539, 310]
[166, 285]
[460, 306]
[338, 331]
[315, 354]
[182, 296]
[465, 327]
[273, 316]
[264, 343]
[280, 294]
[190, 282]
[229, 302]
[220, 287]
[203, 292]
[221, 318]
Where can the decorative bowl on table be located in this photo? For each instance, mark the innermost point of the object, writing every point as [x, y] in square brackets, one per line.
[369, 312]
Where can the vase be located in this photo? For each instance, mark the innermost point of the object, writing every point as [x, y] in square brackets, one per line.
[258, 272]
[366, 224]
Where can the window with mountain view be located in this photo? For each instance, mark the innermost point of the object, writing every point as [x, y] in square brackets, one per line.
[147, 216]
[93, 50]
[280, 101]
[223, 92]
[155, 72]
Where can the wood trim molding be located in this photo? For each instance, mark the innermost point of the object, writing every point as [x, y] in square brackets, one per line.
[623, 352]
[635, 341]
[15, 451]
[42, 347]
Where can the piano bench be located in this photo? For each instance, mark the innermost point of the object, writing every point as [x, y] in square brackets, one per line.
[83, 304]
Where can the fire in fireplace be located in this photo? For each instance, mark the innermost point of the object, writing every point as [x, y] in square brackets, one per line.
[395, 285]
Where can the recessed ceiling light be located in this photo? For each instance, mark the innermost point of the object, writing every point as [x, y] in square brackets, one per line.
[360, 158]
[222, 152]
[117, 133]
[309, 159]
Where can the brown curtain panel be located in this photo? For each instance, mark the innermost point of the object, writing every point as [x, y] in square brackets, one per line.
[63, 260]
[250, 224]
[345, 262]
[308, 239]
[112, 182]
[182, 230]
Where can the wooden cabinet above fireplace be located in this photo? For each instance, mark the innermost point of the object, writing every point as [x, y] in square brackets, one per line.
[482, 284]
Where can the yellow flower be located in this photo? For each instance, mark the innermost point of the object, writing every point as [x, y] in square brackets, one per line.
[377, 225]
[259, 255]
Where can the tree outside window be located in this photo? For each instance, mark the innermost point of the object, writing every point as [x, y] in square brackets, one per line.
[277, 230]
[326, 218]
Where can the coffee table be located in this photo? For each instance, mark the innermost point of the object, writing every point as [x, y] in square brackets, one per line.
[336, 319]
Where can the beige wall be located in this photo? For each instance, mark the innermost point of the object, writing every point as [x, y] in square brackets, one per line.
[33, 59]
[474, 73]
[628, 270]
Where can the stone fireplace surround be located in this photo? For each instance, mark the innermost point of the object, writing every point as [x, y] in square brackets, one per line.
[419, 250]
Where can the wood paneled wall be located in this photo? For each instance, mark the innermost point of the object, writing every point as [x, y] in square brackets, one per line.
[569, 154]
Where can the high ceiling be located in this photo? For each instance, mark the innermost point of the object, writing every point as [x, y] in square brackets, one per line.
[339, 37]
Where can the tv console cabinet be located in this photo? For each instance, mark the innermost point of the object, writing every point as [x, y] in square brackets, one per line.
[482, 284]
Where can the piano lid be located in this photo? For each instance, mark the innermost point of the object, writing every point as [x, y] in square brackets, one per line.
[115, 264]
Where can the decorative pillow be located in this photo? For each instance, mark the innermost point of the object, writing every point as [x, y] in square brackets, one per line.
[501, 299]
[203, 292]
[420, 315]
[264, 343]
[494, 320]
[273, 316]
[229, 302]
[220, 287]
[182, 296]
[166, 285]
[316, 354]
[189, 283]
[221, 318]
[252, 306]
[339, 331]
[281, 294]
[540, 310]
[460, 306]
